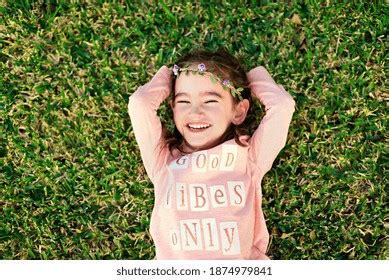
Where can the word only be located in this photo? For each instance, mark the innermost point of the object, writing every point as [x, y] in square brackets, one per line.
[195, 234]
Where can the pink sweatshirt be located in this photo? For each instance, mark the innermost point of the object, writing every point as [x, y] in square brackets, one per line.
[208, 203]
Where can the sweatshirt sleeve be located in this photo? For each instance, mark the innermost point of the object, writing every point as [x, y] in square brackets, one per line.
[270, 136]
[142, 109]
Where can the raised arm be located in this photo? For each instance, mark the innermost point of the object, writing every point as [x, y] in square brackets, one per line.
[142, 108]
[270, 136]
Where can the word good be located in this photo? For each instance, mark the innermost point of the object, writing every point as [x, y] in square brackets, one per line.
[202, 162]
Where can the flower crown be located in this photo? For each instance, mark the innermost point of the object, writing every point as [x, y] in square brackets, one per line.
[201, 70]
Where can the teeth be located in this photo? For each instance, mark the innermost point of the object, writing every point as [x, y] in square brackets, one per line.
[198, 126]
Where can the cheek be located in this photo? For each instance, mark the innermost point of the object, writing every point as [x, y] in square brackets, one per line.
[177, 115]
[218, 111]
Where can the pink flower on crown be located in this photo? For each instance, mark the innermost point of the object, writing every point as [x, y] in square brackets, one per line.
[201, 67]
[176, 68]
[226, 82]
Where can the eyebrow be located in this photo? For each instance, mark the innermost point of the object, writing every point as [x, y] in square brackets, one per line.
[201, 93]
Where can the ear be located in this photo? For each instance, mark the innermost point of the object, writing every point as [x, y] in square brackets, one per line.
[240, 112]
[171, 103]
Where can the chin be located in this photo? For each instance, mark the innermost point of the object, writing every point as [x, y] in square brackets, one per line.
[201, 146]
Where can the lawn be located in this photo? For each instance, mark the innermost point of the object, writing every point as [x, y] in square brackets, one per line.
[72, 183]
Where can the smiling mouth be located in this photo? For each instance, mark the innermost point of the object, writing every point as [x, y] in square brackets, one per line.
[197, 127]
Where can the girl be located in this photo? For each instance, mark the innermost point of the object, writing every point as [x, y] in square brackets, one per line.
[207, 175]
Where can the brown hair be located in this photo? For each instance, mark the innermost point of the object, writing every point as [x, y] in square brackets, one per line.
[225, 65]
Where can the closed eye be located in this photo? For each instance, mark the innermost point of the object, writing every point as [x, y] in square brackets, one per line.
[182, 101]
[211, 101]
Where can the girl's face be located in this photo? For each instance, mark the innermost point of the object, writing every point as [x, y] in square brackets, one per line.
[203, 110]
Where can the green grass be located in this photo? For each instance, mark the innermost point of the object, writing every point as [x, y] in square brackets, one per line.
[72, 185]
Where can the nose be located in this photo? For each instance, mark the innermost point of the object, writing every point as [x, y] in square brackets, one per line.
[196, 110]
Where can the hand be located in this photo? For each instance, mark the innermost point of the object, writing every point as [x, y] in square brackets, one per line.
[164, 73]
